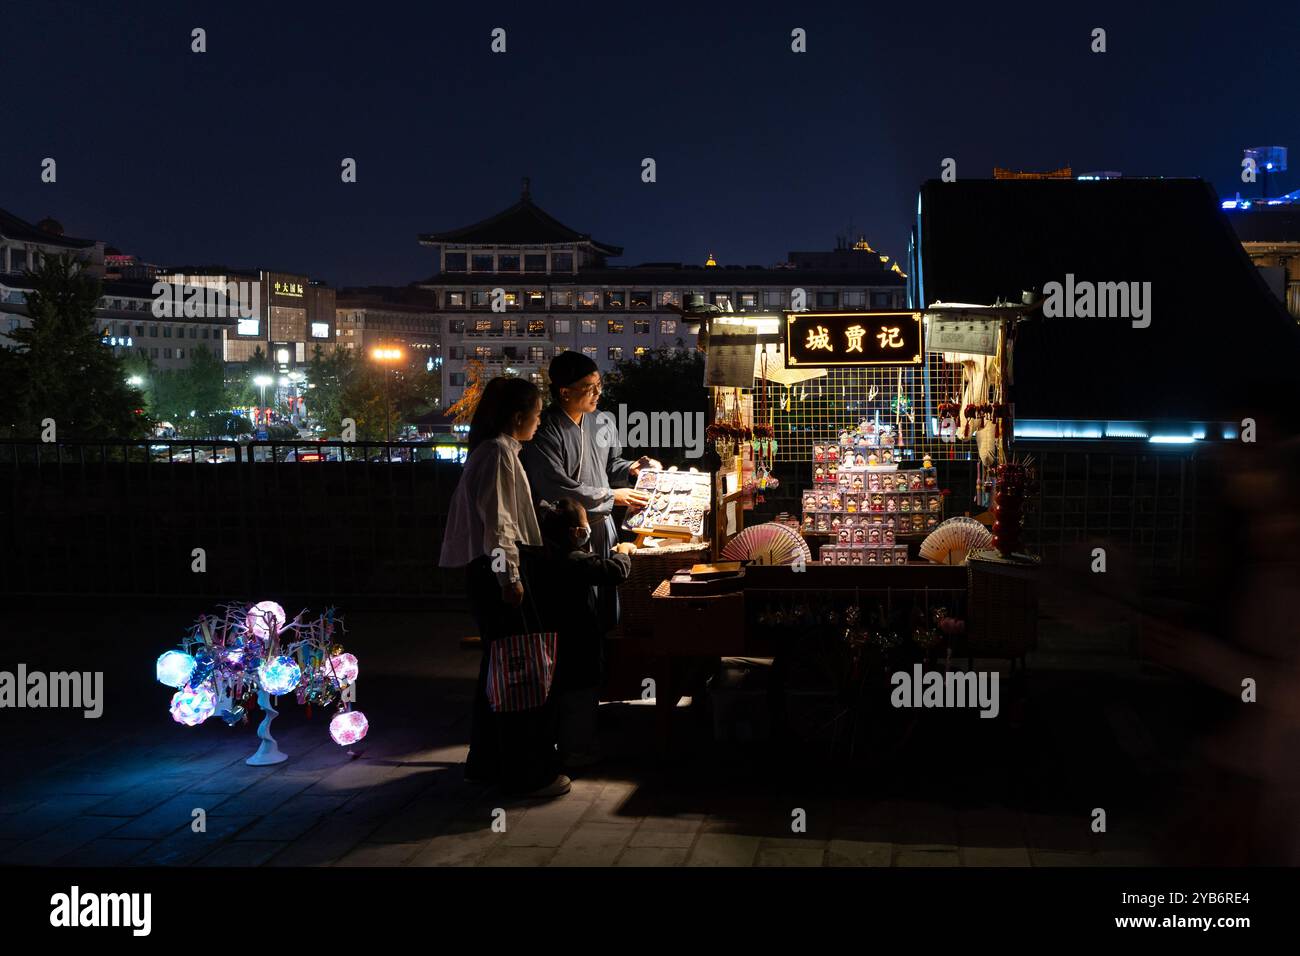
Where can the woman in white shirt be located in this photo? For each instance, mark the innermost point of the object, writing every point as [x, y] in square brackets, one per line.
[491, 515]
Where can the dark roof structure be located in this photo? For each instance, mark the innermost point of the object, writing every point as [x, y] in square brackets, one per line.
[524, 223]
[1220, 346]
[11, 227]
[1279, 223]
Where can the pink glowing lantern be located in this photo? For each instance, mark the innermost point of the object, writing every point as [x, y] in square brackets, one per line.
[191, 706]
[261, 615]
[342, 668]
[349, 727]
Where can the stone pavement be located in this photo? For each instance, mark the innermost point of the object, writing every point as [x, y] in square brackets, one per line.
[124, 789]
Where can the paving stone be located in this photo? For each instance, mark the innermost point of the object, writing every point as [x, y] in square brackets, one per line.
[535, 835]
[994, 856]
[846, 851]
[790, 856]
[46, 815]
[927, 856]
[380, 854]
[299, 815]
[171, 815]
[419, 820]
[457, 848]
[106, 852]
[652, 856]
[723, 849]
[680, 837]
[1064, 858]
[243, 853]
[185, 846]
[330, 839]
[60, 841]
[586, 855]
[519, 856]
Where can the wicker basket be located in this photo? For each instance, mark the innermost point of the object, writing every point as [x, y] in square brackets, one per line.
[650, 566]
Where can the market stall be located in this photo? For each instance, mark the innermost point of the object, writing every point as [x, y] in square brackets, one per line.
[905, 446]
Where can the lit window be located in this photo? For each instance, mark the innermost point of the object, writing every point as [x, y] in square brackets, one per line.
[588, 299]
[615, 353]
[615, 299]
[642, 300]
[614, 327]
[536, 326]
[670, 298]
[562, 300]
[536, 353]
[749, 300]
[667, 326]
[640, 350]
[320, 330]
[455, 300]
[588, 327]
[562, 325]
[536, 298]
[512, 300]
[641, 326]
[589, 350]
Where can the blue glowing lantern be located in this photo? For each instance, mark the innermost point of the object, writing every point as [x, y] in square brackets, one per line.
[174, 668]
[191, 706]
[279, 675]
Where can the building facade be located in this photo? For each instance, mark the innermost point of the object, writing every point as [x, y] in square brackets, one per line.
[1269, 230]
[382, 316]
[520, 287]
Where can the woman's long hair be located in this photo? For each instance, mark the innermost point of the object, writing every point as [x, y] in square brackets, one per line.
[502, 399]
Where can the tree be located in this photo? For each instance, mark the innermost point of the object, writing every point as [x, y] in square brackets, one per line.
[194, 398]
[462, 410]
[59, 368]
[660, 380]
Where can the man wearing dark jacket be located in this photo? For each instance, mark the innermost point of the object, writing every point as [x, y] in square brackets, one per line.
[576, 455]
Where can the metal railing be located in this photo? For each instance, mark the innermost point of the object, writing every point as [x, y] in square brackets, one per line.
[157, 518]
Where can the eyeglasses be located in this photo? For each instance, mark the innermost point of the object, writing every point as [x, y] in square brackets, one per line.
[589, 389]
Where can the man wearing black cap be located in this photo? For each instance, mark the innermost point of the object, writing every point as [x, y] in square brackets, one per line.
[577, 455]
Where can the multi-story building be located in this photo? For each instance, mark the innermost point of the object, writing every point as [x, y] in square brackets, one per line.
[385, 316]
[289, 314]
[554, 290]
[23, 246]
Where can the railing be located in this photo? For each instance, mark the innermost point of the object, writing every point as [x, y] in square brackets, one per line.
[140, 519]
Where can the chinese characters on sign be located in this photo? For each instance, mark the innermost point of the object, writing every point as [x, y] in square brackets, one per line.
[289, 288]
[826, 339]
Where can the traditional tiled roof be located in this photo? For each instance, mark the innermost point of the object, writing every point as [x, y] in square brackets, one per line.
[524, 223]
[11, 227]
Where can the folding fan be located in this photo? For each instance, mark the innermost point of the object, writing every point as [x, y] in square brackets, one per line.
[952, 540]
[767, 544]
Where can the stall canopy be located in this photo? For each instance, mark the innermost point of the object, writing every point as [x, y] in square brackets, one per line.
[1219, 346]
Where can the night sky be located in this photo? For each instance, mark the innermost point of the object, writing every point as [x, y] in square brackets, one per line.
[233, 156]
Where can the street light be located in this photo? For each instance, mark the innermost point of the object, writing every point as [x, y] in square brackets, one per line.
[135, 380]
[387, 355]
[262, 381]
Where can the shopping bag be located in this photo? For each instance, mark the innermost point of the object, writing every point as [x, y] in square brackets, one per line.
[520, 670]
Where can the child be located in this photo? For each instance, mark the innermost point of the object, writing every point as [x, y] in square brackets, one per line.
[568, 596]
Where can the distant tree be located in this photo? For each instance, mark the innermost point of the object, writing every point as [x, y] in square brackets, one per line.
[59, 369]
[661, 380]
[194, 399]
[462, 410]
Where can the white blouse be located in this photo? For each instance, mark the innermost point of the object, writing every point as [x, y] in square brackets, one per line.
[491, 508]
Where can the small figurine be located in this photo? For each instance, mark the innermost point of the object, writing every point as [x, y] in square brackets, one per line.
[872, 460]
[819, 474]
[874, 536]
[835, 501]
[858, 536]
[926, 462]
[857, 482]
[819, 453]
[877, 502]
[871, 557]
[887, 456]
[891, 504]
[859, 461]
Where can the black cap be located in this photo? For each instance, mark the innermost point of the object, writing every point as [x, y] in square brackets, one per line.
[567, 367]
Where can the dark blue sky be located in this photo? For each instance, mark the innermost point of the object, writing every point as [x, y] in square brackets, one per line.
[233, 156]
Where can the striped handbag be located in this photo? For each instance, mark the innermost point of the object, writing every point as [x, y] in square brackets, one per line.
[520, 671]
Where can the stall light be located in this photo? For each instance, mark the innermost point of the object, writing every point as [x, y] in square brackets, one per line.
[1172, 439]
[1229, 434]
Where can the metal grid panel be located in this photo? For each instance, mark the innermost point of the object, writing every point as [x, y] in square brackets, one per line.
[816, 410]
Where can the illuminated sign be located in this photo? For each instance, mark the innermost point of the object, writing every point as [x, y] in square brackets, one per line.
[835, 339]
[320, 330]
[249, 327]
[293, 289]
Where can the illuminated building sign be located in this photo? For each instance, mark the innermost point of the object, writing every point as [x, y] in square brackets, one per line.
[320, 330]
[835, 339]
[293, 289]
[249, 327]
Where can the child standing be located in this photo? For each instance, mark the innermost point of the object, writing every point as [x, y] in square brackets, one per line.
[568, 594]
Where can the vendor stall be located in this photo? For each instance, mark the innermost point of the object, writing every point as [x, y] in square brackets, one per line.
[901, 424]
